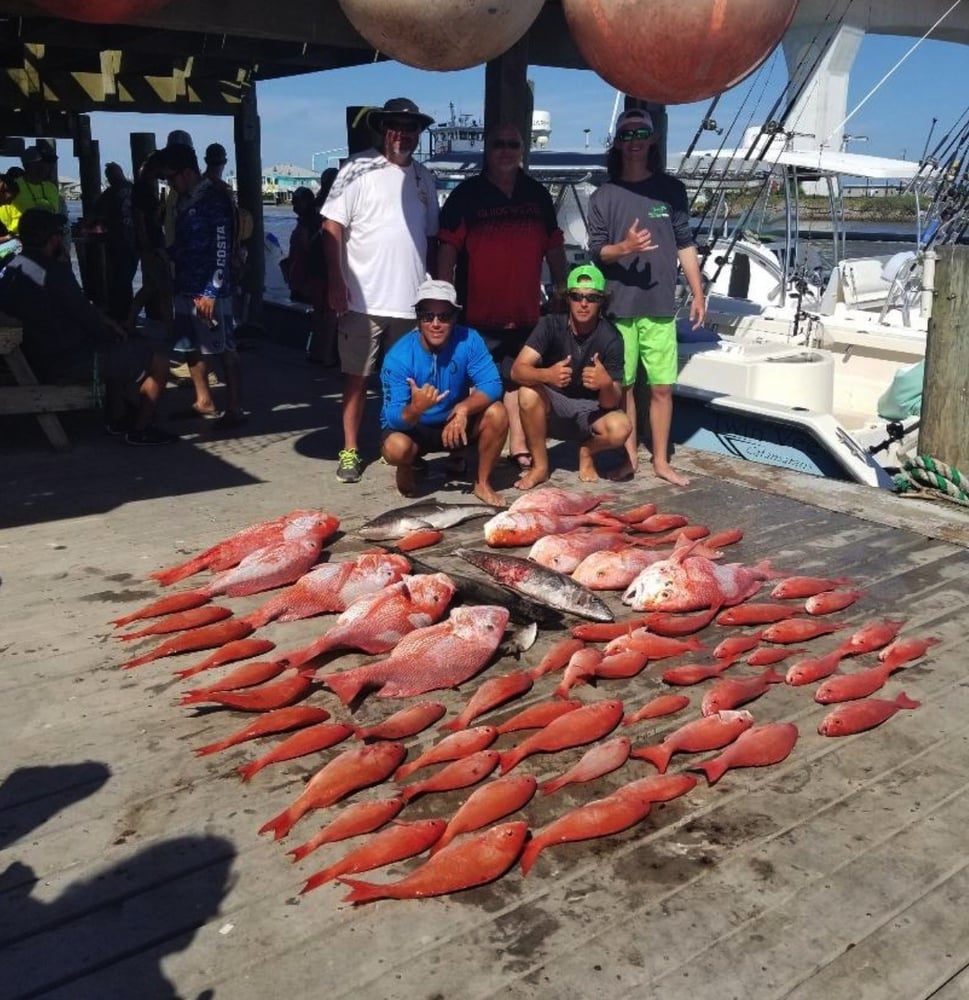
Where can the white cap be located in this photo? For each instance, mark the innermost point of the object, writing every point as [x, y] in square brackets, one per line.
[441, 291]
[633, 118]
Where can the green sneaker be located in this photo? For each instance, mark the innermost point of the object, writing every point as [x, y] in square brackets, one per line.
[349, 468]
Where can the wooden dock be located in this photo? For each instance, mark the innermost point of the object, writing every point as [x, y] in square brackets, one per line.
[130, 868]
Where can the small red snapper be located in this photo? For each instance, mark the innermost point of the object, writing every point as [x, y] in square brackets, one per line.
[757, 747]
[857, 716]
[706, 733]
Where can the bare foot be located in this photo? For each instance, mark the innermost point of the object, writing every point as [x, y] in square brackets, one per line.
[532, 478]
[622, 474]
[405, 481]
[588, 473]
[486, 494]
[670, 474]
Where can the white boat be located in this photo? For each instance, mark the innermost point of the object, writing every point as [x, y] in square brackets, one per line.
[792, 358]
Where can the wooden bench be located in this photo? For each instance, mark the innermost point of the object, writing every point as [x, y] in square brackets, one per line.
[29, 396]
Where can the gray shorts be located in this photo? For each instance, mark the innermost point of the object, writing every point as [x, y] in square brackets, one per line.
[196, 335]
[571, 419]
[362, 337]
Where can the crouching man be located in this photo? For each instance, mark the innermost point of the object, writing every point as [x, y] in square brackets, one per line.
[570, 373]
[441, 390]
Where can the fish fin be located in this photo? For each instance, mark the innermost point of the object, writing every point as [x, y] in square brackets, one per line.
[713, 769]
[344, 685]
[246, 771]
[509, 759]
[658, 755]
[315, 881]
[139, 660]
[360, 892]
[280, 825]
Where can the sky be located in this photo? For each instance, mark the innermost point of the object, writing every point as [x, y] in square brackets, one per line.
[302, 118]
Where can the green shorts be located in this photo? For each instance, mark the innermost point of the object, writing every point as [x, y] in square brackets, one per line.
[652, 340]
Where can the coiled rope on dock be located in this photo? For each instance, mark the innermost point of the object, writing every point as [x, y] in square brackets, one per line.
[922, 473]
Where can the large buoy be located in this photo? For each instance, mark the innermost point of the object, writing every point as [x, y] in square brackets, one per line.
[442, 34]
[676, 51]
[100, 11]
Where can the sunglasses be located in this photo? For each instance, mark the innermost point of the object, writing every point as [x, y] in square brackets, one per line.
[443, 317]
[594, 298]
[506, 144]
[628, 134]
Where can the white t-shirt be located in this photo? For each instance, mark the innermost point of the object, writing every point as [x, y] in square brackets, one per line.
[387, 213]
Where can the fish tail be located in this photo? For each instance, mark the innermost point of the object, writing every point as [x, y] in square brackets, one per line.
[444, 840]
[509, 759]
[298, 853]
[903, 701]
[139, 660]
[405, 770]
[246, 771]
[713, 769]
[191, 697]
[658, 755]
[345, 685]
[361, 892]
[280, 825]
[315, 881]
[454, 725]
[211, 748]
[551, 786]
[172, 574]
[530, 855]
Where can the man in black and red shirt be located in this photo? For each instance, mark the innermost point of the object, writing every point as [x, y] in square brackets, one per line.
[495, 231]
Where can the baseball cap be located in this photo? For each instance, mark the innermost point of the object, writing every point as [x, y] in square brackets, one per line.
[215, 153]
[442, 291]
[633, 118]
[179, 137]
[37, 225]
[586, 276]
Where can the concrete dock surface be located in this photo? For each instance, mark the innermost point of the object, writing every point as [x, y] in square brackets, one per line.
[131, 868]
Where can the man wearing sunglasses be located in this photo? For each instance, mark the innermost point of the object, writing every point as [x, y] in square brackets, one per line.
[441, 391]
[570, 372]
[379, 238]
[497, 228]
[639, 232]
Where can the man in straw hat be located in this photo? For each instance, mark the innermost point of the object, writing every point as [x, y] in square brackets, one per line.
[380, 225]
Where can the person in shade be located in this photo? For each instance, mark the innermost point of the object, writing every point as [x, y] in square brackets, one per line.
[113, 215]
[639, 233]
[201, 253]
[380, 237]
[570, 372]
[442, 390]
[67, 340]
[497, 229]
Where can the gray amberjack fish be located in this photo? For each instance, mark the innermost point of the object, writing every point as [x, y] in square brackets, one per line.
[547, 586]
[423, 514]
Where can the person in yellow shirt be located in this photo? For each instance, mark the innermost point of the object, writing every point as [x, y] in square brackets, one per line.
[36, 189]
[9, 215]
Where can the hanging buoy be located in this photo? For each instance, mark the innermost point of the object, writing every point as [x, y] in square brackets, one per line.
[100, 11]
[672, 51]
[433, 34]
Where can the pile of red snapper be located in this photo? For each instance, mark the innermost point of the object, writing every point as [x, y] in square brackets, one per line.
[665, 567]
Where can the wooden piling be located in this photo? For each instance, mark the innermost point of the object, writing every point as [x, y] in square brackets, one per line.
[142, 145]
[944, 430]
[247, 135]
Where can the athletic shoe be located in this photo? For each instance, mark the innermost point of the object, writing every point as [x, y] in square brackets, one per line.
[150, 435]
[349, 467]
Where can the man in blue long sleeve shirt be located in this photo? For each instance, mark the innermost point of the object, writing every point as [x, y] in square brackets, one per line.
[441, 390]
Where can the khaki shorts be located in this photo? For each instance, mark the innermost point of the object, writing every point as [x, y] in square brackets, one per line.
[361, 339]
[652, 340]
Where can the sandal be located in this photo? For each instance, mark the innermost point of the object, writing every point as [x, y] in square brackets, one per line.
[523, 459]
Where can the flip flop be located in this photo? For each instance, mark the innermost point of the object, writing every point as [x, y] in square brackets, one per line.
[523, 459]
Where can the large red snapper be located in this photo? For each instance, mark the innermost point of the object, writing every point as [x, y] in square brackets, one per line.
[332, 587]
[439, 656]
[375, 623]
[232, 550]
[523, 527]
[614, 570]
[564, 552]
[687, 582]
[554, 500]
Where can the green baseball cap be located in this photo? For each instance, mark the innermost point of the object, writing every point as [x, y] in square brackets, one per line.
[587, 276]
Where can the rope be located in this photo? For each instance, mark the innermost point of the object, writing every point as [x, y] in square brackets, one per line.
[922, 472]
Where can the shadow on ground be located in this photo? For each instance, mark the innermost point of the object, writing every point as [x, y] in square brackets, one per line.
[105, 935]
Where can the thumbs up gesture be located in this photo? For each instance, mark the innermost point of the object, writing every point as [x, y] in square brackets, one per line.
[594, 375]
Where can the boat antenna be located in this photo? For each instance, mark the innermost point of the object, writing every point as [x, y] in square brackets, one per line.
[928, 139]
[871, 93]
